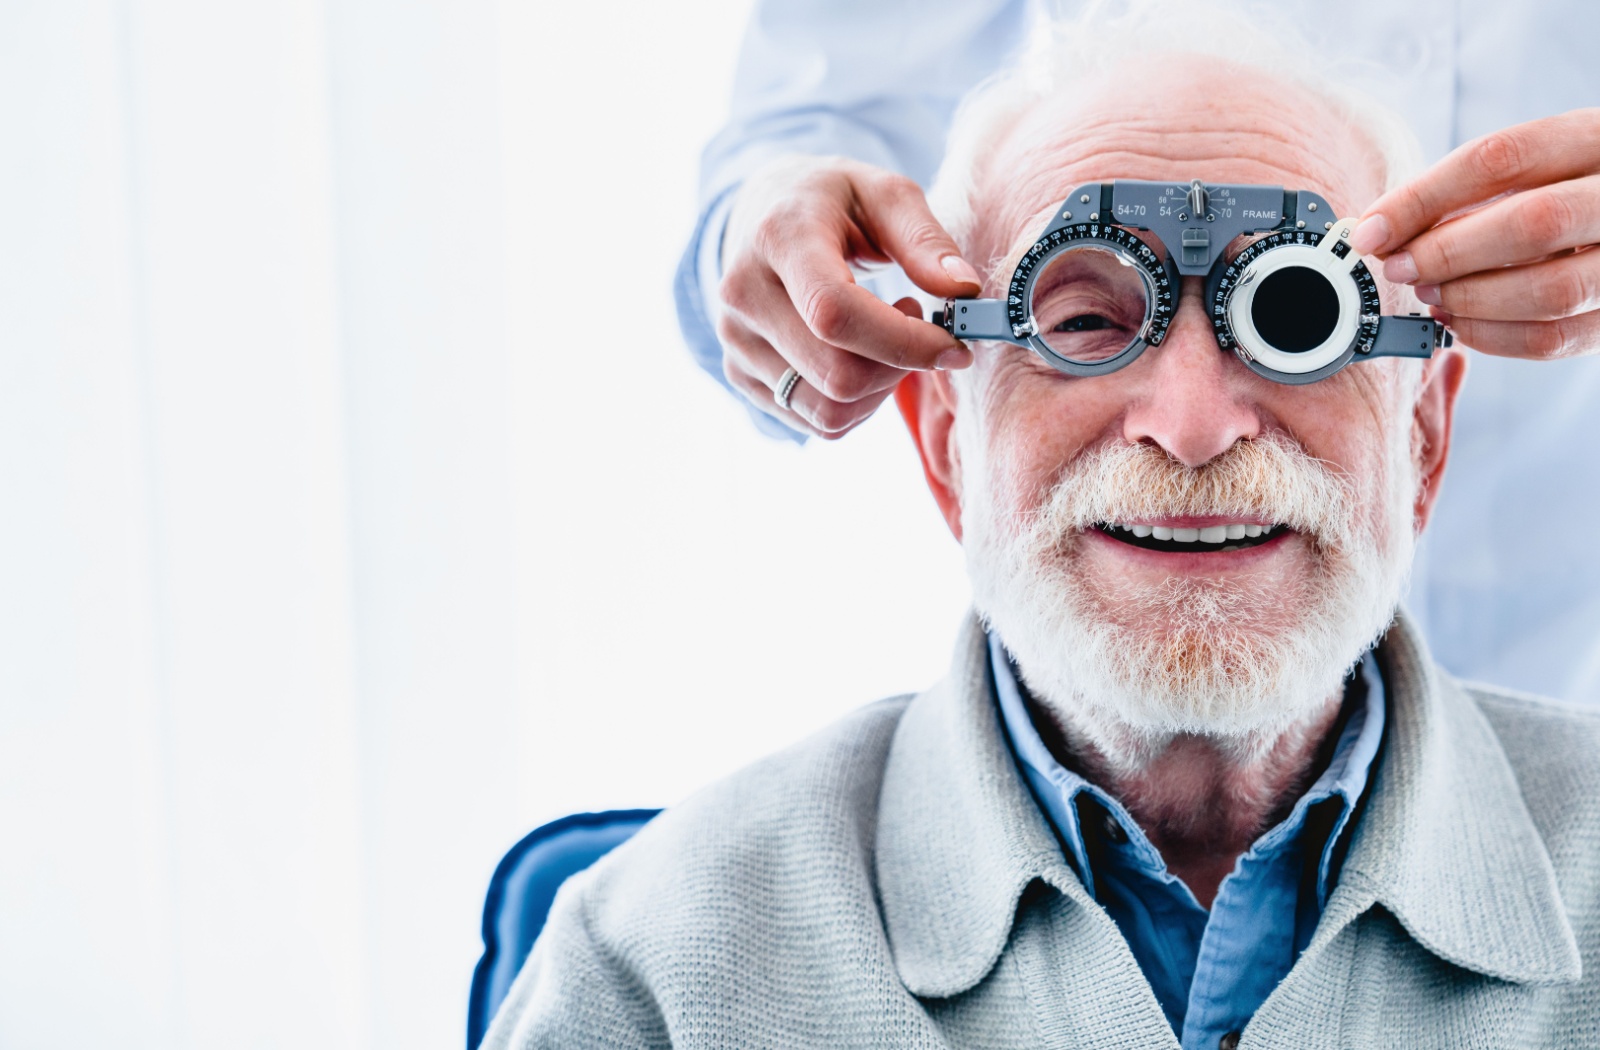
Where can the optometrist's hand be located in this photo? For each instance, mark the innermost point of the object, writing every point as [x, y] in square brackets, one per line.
[1498, 236]
[789, 298]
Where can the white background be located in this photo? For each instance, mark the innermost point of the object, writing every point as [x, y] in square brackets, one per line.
[361, 508]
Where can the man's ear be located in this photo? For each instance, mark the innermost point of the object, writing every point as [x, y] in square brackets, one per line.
[928, 405]
[1431, 423]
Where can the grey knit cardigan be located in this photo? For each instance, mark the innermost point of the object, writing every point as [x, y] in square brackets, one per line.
[891, 883]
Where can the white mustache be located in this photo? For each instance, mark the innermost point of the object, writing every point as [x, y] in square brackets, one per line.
[1269, 478]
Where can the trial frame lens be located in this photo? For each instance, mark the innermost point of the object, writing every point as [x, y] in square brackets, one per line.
[1090, 302]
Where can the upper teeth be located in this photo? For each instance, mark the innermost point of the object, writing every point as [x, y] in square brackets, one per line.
[1210, 534]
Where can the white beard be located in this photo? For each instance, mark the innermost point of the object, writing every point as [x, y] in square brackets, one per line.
[1125, 668]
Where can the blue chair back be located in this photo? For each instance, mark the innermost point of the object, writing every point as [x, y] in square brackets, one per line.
[520, 894]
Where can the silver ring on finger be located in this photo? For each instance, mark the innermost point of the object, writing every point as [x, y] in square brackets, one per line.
[785, 388]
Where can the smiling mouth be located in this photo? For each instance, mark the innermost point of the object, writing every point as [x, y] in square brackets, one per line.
[1215, 539]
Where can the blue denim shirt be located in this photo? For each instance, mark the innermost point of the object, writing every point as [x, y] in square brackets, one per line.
[1210, 971]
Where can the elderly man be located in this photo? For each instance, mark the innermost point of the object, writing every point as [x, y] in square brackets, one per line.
[1190, 781]
[848, 89]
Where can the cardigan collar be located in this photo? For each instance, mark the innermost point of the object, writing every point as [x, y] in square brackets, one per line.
[1445, 844]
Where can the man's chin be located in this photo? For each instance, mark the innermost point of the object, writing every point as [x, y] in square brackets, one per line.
[1226, 660]
[1203, 680]
[1202, 613]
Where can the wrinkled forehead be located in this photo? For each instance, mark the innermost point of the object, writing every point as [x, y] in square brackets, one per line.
[1194, 120]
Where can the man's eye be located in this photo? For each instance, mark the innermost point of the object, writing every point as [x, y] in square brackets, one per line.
[1083, 323]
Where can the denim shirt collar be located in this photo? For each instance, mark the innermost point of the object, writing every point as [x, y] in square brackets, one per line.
[1057, 789]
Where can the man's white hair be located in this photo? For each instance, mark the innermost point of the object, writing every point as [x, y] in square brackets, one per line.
[1104, 38]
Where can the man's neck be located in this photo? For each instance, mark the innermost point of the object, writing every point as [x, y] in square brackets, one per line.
[1202, 801]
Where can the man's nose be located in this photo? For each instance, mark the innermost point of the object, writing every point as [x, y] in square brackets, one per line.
[1196, 401]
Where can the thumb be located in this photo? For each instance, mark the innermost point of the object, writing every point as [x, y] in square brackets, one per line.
[896, 217]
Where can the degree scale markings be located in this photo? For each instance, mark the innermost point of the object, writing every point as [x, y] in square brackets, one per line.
[1019, 309]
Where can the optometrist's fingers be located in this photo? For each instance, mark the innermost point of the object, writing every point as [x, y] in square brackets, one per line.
[832, 420]
[809, 412]
[1529, 340]
[1565, 286]
[760, 395]
[805, 219]
[1516, 229]
[755, 369]
[1521, 157]
[894, 214]
[841, 313]
[767, 311]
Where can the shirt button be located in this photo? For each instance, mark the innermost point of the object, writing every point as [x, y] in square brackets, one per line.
[1228, 1042]
[1115, 835]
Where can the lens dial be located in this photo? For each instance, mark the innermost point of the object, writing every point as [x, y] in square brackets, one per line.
[1293, 312]
[1090, 297]
[1090, 302]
